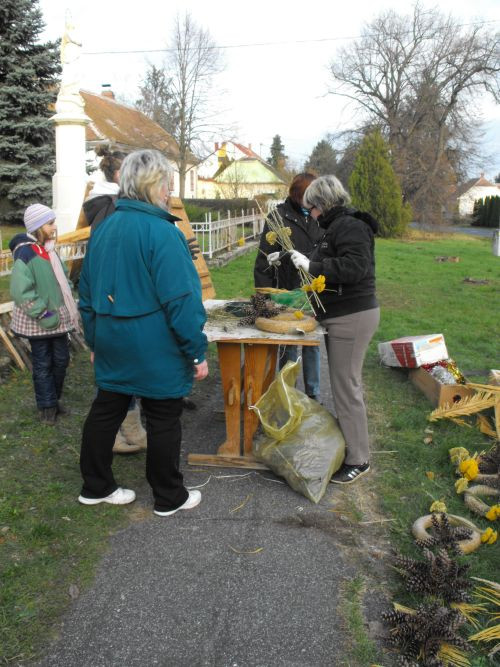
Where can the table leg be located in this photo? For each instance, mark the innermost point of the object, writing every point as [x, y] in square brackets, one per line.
[259, 361]
[230, 369]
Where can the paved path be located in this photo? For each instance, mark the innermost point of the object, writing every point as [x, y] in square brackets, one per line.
[175, 592]
[484, 232]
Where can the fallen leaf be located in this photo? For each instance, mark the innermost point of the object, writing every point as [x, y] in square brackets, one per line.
[428, 430]
[256, 551]
[429, 474]
[73, 591]
[428, 440]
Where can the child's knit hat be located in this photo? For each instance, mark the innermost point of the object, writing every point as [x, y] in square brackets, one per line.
[37, 215]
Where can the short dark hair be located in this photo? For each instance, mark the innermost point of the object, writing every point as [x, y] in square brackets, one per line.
[299, 185]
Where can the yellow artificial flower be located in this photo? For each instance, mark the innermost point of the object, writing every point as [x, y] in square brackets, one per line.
[287, 231]
[241, 242]
[458, 454]
[489, 536]
[493, 513]
[317, 285]
[469, 469]
[429, 474]
[438, 506]
[271, 238]
[299, 314]
[461, 485]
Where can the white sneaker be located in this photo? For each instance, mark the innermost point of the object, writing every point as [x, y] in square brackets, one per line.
[193, 500]
[118, 497]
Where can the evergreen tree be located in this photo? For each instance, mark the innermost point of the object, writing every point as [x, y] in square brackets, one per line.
[375, 188]
[28, 85]
[488, 212]
[277, 158]
[477, 212]
[323, 159]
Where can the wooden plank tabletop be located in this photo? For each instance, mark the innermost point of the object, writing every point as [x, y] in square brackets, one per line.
[216, 332]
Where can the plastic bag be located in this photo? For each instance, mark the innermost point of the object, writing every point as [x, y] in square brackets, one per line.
[302, 441]
[293, 299]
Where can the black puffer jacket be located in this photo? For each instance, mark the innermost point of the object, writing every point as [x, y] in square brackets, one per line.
[305, 233]
[345, 256]
[98, 208]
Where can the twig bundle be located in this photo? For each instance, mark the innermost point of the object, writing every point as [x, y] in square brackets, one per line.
[283, 237]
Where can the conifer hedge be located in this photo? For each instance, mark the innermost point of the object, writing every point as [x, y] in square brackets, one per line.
[486, 212]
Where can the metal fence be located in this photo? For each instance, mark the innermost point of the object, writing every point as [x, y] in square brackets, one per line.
[214, 236]
[66, 251]
[224, 233]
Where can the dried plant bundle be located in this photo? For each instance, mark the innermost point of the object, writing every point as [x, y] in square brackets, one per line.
[493, 388]
[468, 405]
[283, 237]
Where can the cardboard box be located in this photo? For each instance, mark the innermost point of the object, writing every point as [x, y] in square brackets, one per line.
[413, 351]
[439, 394]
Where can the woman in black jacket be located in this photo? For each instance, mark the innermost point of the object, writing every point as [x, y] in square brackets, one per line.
[271, 270]
[345, 256]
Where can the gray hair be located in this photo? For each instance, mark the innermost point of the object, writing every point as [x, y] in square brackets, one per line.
[326, 192]
[142, 174]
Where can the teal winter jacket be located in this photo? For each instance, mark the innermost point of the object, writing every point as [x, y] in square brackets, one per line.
[141, 306]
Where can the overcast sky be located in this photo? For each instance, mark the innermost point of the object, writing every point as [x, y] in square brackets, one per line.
[266, 89]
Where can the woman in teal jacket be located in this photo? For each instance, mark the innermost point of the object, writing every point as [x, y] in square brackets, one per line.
[143, 317]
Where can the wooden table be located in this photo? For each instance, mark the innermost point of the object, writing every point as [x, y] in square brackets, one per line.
[247, 359]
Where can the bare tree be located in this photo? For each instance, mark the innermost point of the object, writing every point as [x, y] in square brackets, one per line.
[418, 79]
[191, 65]
[156, 99]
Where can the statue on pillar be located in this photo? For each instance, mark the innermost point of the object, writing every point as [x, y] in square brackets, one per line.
[69, 99]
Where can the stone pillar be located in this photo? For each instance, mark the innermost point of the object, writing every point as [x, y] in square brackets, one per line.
[69, 181]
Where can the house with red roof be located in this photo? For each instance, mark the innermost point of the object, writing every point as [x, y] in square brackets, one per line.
[234, 170]
[127, 129]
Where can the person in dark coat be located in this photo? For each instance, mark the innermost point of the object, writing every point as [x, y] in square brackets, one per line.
[275, 269]
[345, 256]
[101, 199]
[143, 318]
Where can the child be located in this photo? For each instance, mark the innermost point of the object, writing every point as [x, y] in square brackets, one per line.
[44, 309]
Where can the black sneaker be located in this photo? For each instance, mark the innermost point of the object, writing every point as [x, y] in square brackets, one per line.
[349, 474]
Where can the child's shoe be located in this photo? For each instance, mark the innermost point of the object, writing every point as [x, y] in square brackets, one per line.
[48, 416]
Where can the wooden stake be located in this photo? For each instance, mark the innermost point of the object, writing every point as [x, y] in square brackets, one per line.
[12, 350]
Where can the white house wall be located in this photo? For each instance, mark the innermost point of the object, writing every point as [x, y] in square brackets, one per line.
[466, 201]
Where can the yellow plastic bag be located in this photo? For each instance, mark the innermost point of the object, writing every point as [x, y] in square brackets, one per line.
[302, 441]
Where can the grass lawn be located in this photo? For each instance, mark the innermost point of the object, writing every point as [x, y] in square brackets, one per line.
[49, 544]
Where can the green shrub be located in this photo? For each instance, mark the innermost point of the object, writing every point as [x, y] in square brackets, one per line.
[375, 188]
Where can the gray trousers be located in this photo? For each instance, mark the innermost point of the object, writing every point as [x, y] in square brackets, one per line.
[347, 338]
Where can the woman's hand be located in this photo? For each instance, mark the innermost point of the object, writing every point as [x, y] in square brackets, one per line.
[92, 357]
[299, 260]
[194, 247]
[200, 370]
[273, 259]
